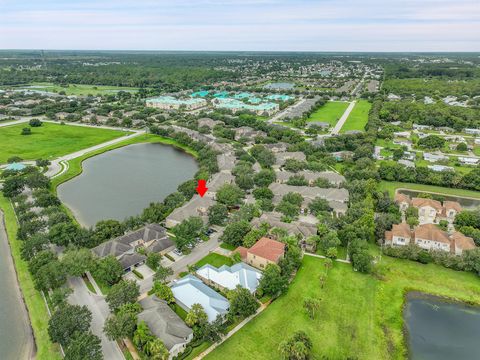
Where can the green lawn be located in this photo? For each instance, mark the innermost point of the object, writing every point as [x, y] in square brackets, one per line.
[214, 259]
[226, 246]
[360, 316]
[358, 118]
[37, 310]
[50, 141]
[391, 186]
[79, 89]
[330, 112]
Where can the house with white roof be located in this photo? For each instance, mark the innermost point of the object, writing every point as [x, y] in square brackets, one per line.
[434, 157]
[468, 160]
[190, 290]
[229, 277]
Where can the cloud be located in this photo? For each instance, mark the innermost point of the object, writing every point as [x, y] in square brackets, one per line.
[315, 25]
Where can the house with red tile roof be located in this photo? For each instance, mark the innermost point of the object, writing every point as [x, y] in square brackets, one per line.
[265, 251]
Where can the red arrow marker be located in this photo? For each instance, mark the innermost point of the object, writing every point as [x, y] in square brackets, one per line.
[202, 187]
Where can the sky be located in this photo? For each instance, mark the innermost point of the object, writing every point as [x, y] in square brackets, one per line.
[241, 25]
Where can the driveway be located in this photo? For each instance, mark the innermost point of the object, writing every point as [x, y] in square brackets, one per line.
[199, 252]
[100, 311]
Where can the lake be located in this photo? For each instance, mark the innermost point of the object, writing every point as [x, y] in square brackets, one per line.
[122, 182]
[441, 330]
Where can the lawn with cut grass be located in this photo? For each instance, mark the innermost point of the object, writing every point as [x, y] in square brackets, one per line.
[392, 186]
[50, 141]
[214, 259]
[79, 89]
[330, 113]
[360, 316]
[358, 118]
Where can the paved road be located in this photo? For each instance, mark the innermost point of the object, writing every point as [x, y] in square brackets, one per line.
[100, 311]
[344, 118]
[199, 252]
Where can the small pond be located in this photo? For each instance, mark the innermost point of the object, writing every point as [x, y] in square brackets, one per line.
[441, 330]
[122, 182]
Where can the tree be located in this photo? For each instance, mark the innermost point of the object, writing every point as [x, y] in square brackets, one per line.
[84, 346]
[162, 274]
[462, 147]
[319, 205]
[188, 188]
[35, 123]
[311, 305]
[63, 234]
[26, 131]
[33, 245]
[142, 335]
[242, 303]
[272, 282]
[263, 193]
[362, 261]
[107, 229]
[432, 142]
[50, 276]
[329, 240]
[126, 291]
[229, 195]
[217, 214]
[109, 270]
[298, 347]
[153, 260]
[196, 316]
[235, 232]
[78, 262]
[265, 157]
[264, 178]
[174, 200]
[122, 324]
[187, 231]
[163, 292]
[68, 320]
[156, 350]
[244, 181]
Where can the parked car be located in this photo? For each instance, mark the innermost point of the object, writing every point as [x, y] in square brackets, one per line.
[177, 252]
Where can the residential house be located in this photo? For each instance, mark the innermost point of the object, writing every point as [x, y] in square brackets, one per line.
[402, 134]
[198, 206]
[151, 237]
[407, 163]
[429, 211]
[165, 324]
[208, 122]
[265, 251]
[229, 277]
[217, 181]
[434, 157]
[468, 160]
[248, 132]
[471, 131]
[277, 147]
[226, 161]
[440, 168]
[333, 178]
[190, 290]
[421, 127]
[429, 237]
[281, 157]
[296, 227]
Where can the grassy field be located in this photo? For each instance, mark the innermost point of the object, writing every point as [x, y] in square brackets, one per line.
[391, 186]
[37, 310]
[330, 112]
[214, 259]
[79, 89]
[50, 141]
[358, 118]
[360, 316]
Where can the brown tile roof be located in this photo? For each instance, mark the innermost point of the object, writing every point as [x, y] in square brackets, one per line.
[463, 242]
[421, 202]
[452, 205]
[431, 232]
[399, 198]
[268, 249]
[242, 251]
[388, 236]
[402, 229]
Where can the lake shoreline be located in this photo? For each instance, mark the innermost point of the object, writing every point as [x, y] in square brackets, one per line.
[28, 346]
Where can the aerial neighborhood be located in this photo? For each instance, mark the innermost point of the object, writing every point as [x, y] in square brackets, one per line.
[240, 205]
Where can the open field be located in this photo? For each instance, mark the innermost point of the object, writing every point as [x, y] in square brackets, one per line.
[36, 307]
[358, 118]
[50, 141]
[360, 316]
[78, 89]
[391, 186]
[330, 112]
